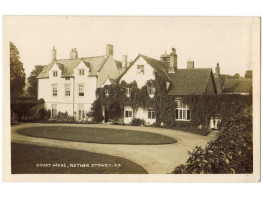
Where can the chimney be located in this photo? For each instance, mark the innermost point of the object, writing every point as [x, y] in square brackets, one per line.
[109, 50]
[190, 64]
[73, 53]
[217, 70]
[53, 54]
[124, 61]
[173, 61]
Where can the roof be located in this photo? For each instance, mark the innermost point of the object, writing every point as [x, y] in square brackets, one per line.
[119, 66]
[165, 55]
[68, 65]
[189, 81]
[219, 81]
[238, 86]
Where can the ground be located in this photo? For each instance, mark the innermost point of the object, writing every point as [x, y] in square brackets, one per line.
[155, 159]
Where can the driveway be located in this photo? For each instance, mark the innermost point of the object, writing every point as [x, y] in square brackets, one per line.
[155, 159]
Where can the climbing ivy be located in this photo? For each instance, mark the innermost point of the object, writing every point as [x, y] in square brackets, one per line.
[113, 98]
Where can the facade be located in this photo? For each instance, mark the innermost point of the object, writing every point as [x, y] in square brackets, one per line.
[179, 82]
[69, 85]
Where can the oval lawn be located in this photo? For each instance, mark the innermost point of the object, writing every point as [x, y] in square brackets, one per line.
[97, 135]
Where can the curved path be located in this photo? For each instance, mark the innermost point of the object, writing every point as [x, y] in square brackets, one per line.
[155, 159]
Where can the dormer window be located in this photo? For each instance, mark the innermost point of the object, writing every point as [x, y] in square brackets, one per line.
[81, 72]
[128, 92]
[55, 73]
[140, 69]
[67, 78]
[107, 92]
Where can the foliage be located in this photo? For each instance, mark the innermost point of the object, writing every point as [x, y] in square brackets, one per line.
[17, 73]
[248, 74]
[231, 152]
[96, 112]
[32, 79]
[44, 114]
[64, 117]
[137, 122]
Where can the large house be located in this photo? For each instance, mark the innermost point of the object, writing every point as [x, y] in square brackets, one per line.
[69, 85]
[179, 82]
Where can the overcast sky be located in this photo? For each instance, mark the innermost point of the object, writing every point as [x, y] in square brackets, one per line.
[233, 42]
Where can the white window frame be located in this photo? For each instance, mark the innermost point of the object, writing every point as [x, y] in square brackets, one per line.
[128, 113]
[54, 93]
[81, 72]
[55, 73]
[67, 90]
[140, 69]
[81, 89]
[151, 113]
[67, 78]
[81, 113]
[182, 111]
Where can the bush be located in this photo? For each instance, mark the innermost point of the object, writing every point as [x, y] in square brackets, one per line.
[44, 114]
[137, 122]
[230, 153]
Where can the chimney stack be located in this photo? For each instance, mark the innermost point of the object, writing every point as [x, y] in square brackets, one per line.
[53, 54]
[190, 64]
[173, 61]
[217, 70]
[124, 61]
[109, 50]
[73, 53]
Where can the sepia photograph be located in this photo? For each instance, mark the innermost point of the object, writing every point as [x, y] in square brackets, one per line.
[131, 98]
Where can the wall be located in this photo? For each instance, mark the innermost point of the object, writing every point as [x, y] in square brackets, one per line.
[131, 75]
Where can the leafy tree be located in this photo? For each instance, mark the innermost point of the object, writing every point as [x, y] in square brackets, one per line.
[17, 73]
[248, 74]
[32, 79]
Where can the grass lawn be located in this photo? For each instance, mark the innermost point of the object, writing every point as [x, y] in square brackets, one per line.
[97, 135]
[31, 159]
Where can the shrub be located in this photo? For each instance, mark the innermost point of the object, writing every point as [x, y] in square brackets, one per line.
[137, 122]
[44, 114]
[231, 152]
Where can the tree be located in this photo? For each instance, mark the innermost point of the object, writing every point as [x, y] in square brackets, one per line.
[32, 79]
[236, 76]
[248, 74]
[17, 73]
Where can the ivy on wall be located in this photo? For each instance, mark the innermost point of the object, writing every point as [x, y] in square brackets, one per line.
[113, 98]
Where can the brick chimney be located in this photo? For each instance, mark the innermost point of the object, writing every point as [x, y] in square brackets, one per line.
[217, 70]
[73, 53]
[109, 50]
[173, 61]
[190, 64]
[124, 61]
[53, 54]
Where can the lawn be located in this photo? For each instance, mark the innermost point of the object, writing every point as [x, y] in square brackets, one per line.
[31, 159]
[97, 135]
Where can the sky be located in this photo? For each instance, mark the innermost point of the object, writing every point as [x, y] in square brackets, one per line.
[231, 41]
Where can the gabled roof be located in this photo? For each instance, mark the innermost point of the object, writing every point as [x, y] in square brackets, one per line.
[238, 86]
[189, 81]
[159, 66]
[219, 82]
[68, 65]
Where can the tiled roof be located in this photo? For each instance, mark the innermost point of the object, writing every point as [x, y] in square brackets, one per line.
[189, 81]
[68, 65]
[238, 86]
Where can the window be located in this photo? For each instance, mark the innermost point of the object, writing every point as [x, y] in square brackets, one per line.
[151, 113]
[55, 73]
[81, 90]
[128, 112]
[182, 111]
[54, 90]
[67, 90]
[151, 90]
[53, 110]
[107, 92]
[128, 92]
[81, 114]
[140, 69]
[81, 72]
[67, 78]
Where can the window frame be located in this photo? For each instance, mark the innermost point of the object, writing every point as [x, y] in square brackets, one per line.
[54, 111]
[67, 92]
[151, 113]
[54, 92]
[182, 111]
[81, 85]
[81, 72]
[128, 91]
[55, 73]
[140, 69]
[128, 113]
